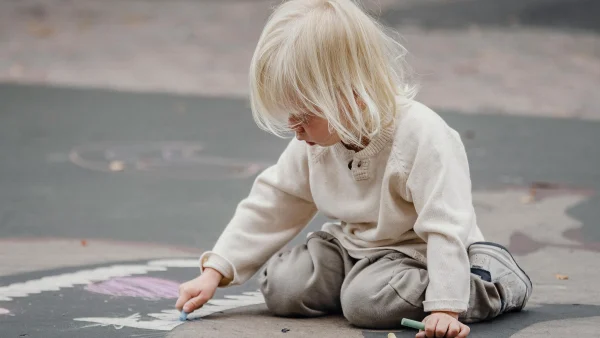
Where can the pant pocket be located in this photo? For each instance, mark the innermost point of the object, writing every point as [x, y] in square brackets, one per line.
[410, 284]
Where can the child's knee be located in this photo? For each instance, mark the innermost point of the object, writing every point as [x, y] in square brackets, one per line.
[380, 302]
[288, 294]
[374, 312]
[280, 290]
[282, 300]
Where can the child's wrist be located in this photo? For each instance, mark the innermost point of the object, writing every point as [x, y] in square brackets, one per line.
[450, 313]
[213, 274]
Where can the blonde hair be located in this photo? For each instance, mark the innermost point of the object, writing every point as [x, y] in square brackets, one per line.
[327, 58]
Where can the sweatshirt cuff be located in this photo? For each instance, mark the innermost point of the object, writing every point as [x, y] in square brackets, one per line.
[212, 260]
[451, 305]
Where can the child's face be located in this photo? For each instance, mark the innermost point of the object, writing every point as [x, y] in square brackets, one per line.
[313, 130]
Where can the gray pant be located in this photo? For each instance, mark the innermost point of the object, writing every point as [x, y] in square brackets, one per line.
[320, 278]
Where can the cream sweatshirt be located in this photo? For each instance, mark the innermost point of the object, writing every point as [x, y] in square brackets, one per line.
[409, 190]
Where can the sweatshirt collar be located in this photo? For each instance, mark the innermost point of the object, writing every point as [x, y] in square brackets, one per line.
[373, 148]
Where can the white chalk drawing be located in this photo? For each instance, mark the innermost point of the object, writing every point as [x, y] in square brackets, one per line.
[167, 320]
[84, 277]
[166, 159]
[132, 321]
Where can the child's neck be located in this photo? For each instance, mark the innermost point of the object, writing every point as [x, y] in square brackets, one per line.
[364, 141]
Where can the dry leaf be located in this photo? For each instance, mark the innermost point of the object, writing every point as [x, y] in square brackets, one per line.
[135, 19]
[83, 242]
[528, 199]
[116, 166]
[562, 277]
[40, 30]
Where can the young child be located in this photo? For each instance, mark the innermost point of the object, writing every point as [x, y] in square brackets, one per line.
[403, 240]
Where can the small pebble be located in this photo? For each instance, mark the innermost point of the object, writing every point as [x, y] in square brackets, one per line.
[183, 316]
[285, 330]
[116, 166]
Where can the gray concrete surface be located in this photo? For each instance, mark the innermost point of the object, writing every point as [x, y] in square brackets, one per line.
[126, 142]
[185, 169]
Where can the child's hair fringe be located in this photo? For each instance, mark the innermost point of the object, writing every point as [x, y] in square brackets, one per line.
[331, 59]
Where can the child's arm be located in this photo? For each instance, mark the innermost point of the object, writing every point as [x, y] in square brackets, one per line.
[278, 207]
[439, 186]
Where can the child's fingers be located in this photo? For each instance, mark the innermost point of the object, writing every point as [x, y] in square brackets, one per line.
[464, 331]
[441, 327]
[195, 303]
[183, 298]
[430, 327]
[421, 334]
[453, 330]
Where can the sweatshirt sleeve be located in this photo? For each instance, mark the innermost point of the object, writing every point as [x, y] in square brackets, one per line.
[278, 207]
[439, 185]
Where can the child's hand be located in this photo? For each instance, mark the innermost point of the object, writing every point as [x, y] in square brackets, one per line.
[195, 293]
[443, 324]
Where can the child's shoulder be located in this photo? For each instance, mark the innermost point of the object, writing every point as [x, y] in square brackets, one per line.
[416, 121]
[419, 129]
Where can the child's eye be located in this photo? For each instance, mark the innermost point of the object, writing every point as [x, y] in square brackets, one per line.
[298, 129]
[295, 123]
[303, 118]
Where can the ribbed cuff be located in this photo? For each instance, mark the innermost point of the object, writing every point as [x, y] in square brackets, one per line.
[451, 305]
[214, 261]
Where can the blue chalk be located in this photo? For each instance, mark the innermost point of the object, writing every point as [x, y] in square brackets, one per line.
[183, 316]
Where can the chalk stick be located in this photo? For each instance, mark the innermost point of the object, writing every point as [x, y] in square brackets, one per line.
[412, 324]
[183, 316]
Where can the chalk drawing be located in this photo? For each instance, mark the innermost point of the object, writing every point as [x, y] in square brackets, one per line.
[171, 159]
[142, 287]
[167, 320]
[132, 321]
[4, 311]
[84, 277]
